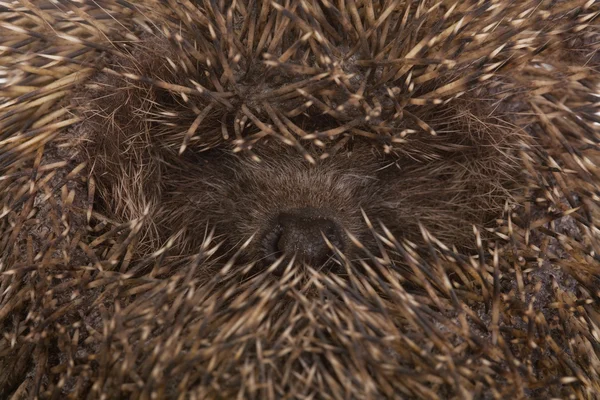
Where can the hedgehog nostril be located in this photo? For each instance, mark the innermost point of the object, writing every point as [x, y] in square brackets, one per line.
[300, 232]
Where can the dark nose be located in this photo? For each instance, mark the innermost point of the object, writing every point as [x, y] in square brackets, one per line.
[300, 232]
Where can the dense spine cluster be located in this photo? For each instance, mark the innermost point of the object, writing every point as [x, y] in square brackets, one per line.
[94, 306]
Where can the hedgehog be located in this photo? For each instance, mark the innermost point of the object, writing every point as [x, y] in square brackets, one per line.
[299, 199]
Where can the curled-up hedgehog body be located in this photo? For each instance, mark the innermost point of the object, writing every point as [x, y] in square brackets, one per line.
[290, 199]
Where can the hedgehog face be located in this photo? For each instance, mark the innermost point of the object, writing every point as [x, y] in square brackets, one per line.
[285, 202]
[298, 180]
[290, 206]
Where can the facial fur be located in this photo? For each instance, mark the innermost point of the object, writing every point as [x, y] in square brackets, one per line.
[450, 178]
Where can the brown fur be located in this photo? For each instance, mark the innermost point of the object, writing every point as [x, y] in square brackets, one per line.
[130, 130]
[451, 181]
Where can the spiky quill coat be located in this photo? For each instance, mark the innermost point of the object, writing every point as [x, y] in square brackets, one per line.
[91, 308]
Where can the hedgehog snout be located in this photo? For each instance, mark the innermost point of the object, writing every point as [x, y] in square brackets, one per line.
[301, 233]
